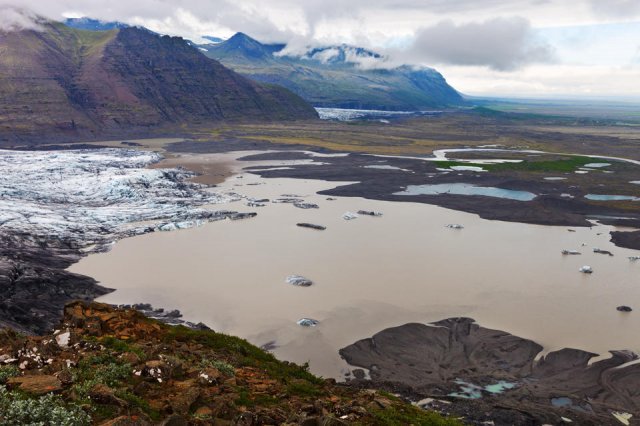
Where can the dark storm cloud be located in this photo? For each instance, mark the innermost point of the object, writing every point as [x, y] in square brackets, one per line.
[502, 44]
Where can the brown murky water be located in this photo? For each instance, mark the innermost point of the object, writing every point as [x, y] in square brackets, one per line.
[374, 272]
[210, 170]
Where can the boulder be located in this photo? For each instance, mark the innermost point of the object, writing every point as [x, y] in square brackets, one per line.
[35, 385]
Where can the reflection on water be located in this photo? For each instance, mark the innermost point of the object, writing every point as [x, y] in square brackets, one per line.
[467, 189]
[373, 273]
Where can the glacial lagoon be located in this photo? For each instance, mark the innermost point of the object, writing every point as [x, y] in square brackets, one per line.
[371, 273]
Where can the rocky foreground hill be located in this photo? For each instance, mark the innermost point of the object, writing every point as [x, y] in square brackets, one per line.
[116, 367]
[60, 80]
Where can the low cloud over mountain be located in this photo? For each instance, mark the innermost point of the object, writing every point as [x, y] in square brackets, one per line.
[500, 43]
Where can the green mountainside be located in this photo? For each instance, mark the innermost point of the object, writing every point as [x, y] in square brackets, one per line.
[330, 77]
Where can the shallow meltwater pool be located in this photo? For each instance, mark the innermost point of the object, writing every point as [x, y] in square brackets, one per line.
[373, 272]
[602, 197]
[472, 391]
[467, 189]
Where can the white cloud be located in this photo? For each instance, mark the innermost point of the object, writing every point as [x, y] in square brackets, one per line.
[548, 81]
[616, 8]
[473, 42]
[499, 43]
[14, 19]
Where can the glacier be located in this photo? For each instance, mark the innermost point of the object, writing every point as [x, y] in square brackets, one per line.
[91, 198]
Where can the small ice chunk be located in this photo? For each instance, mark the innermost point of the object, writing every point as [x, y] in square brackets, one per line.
[350, 216]
[299, 281]
[586, 269]
[308, 322]
[454, 226]
[571, 252]
[168, 227]
[369, 213]
[306, 205]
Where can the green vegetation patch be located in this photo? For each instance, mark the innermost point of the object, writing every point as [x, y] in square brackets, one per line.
[304, 389]
[222, 366]
[121, 346]
[7, 372]
[409, 415]
[241, 353]
[140, 403]
[17, 409]
[100, 369]
[246, 399]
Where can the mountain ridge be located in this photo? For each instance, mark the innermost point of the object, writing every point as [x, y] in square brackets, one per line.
[88, 82]
[337, 76]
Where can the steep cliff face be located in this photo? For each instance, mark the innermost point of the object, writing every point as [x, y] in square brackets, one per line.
[60, 79]
[174, 82]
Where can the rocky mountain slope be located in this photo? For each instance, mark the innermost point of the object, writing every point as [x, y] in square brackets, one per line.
[64, 80]
[116, 367]
[333, 76]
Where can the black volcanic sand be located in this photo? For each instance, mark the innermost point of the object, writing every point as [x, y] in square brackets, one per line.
[549, 207]
[34, 285]
[626, 239]
[423, 361]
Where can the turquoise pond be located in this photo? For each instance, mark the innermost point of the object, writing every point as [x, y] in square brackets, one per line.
[561, 402]
[602, 197]
[467, 189]
[471, 391]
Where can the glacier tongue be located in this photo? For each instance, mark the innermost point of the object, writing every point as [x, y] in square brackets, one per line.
[90, 198]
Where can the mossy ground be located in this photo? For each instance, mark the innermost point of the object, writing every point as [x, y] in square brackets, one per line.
[137, 367]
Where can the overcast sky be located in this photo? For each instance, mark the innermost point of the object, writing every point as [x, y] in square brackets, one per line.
[483, 47]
